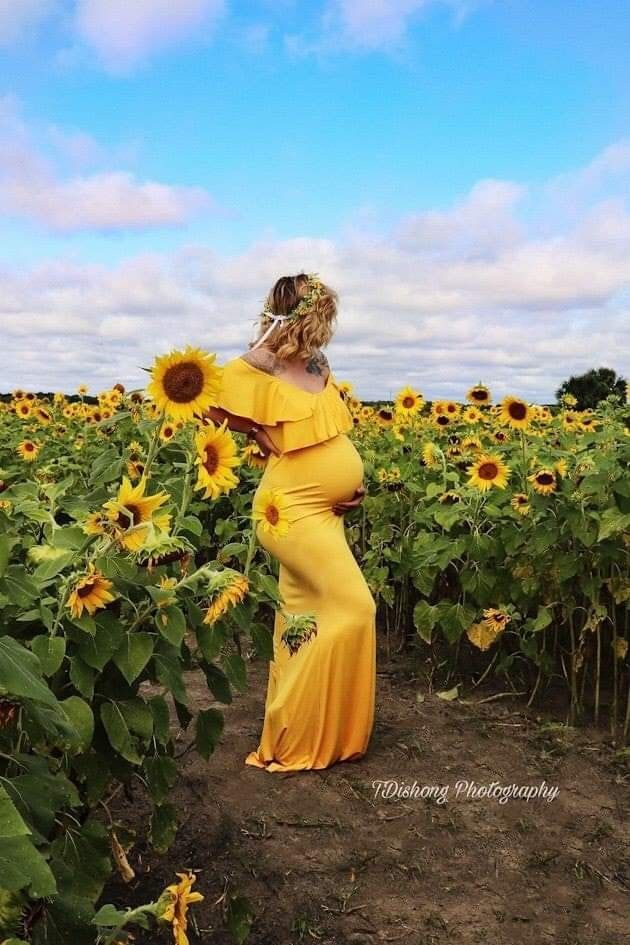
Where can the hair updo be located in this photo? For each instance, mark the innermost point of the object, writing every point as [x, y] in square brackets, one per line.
[302, 336]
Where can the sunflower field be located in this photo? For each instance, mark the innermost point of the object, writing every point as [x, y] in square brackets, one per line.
[495, 538]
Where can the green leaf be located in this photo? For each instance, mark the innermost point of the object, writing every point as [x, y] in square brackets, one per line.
[118, 733]
[171, 624]
[97, 651]
[6, 543]
[19, 587]
[82, 677]
[169, 671]
[239, 918]
[138, 716]
[20, 673]
[161, 772]
[21, 864]
[50, 652]
[425, 617]
[218, 683]
[235, 670]
[163, 827]
[211, 638]
[190, 523]
[543, 618]
[208, 729]
[82, 718]
[109, 917]
[48, 570]
[134, 653]
[161, 718]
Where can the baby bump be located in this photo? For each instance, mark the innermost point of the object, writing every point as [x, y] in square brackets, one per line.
[317, 475]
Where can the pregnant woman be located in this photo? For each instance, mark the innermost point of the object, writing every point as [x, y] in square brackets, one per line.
[320, 698]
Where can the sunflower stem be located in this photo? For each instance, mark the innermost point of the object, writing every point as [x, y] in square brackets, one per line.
[153, 446]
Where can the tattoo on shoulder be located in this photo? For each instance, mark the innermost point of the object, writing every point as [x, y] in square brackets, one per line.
[263, 360]
[317, 364]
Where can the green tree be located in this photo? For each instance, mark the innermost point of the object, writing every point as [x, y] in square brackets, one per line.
[595, 385]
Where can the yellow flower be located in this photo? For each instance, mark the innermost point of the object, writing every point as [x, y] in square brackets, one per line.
[544, 481]
[479, 394]
[520, 503]
[561, 468]
[28, 450]
[91, 592]
[23, 409]
[270, 509]
[82, 390]
[481, 635]
[496, 620]
[254, 456]
[487, 471]
[409, 401]
[167, 432]
[185, 383]
[385, 416]
[216, 457]
[516, 413]
[177, 898]
[430, 455]
[228, 596]
[132, 508]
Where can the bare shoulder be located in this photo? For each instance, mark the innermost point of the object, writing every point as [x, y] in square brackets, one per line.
[262, 359]
[318, 364]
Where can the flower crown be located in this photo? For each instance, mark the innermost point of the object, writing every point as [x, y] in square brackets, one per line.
[316, 291]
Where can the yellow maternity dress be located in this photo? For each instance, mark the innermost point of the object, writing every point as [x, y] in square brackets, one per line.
[320, 699]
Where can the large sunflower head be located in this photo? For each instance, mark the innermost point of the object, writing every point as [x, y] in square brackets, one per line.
[544, 481]
[487, 471]
[133, 513]
[216, 457]
[408, 401]
[173, 904]
[185, 383]
[230, 589]
[91, 592]
[28, 450]
[516, 413]
[479, 394]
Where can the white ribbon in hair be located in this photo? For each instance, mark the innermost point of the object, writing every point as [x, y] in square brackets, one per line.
[274, 320]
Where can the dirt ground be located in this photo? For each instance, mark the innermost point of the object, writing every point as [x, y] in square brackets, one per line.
[320, 858]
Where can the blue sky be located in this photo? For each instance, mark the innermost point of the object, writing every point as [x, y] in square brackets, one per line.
[458, 170]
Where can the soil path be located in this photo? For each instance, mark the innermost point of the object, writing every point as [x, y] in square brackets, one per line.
[321, 858]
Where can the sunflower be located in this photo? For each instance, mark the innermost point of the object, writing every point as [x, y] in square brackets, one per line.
[472, 415]
[520, 503]
[132, 508]
[167, 432]
[500, 436]
[270, 509]
[409, 401]
[385, 417]
[216, 457]
[231, 593]
[430, 455]
[173, 906]
[185, 383]
[481, 636]
[487, 471]
[516, 413]
[254, 456]
[496, 620]
[97, 523]
[561, 468]
[346, 389]
[28, 450]
[91, 592]
[23, 409]
[544, 481]
[479, 394]
[82, 390]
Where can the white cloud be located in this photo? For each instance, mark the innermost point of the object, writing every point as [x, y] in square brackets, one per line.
[18, 16]
[420, 304]
[125, 33]
[33, 188]
[367, 25]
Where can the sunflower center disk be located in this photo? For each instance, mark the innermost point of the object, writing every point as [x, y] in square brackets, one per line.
[488, 471]
[272, 514]
[211, 462]
[86, 590]
[183, 382]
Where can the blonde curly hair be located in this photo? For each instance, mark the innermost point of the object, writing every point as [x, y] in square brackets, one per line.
[312, 329]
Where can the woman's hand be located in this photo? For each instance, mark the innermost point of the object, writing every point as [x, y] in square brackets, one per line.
[265, 443]
[340, 508]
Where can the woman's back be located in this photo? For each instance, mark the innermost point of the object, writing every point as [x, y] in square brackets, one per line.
[309, 375]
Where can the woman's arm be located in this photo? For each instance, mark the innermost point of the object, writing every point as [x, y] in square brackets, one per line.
[243, 425]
